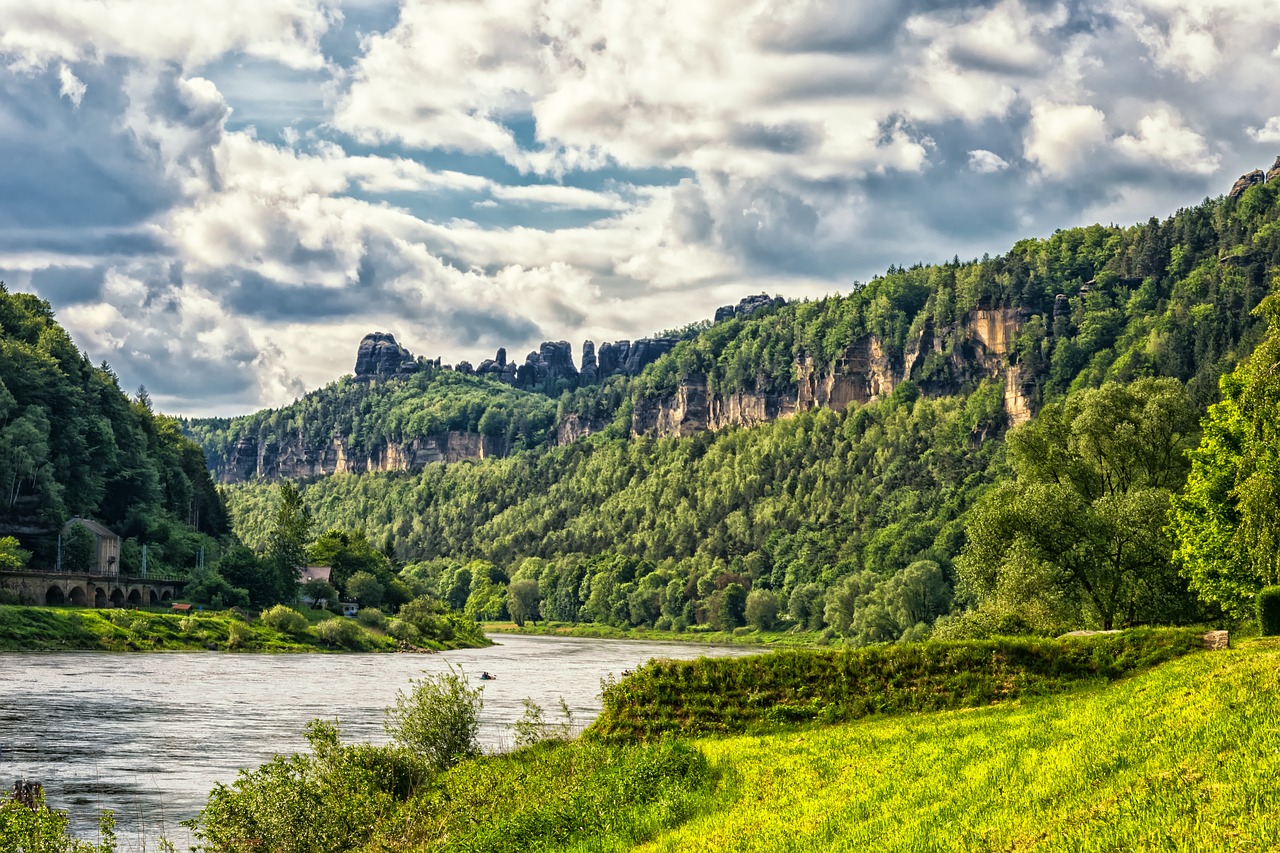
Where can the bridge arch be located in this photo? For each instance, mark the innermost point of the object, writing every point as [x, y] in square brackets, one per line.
[55, 595]
[100, 599]
[76, 596]
[152, 597]
[135, 597]
[117, 597]
[166, 595]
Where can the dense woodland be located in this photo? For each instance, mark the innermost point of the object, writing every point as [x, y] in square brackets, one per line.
[73, 444]
[877, 522]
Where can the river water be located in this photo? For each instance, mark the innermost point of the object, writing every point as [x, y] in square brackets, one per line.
[148, 735]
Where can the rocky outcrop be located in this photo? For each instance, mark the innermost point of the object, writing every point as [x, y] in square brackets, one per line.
[1246, 181]
[552, 363]
[1274, 171]
[380, 356]
[588, 373]
[294, 458]
[748, 307]
[940, 361]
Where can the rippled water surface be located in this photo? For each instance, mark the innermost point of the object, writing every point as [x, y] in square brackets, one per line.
[149, 735]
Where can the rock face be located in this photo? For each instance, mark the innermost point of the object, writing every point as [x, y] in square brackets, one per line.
[588, 373]
[1246, 181]
[1274, 171]
[295, 458]
[866, 370]
[749, 306]
[380, 356]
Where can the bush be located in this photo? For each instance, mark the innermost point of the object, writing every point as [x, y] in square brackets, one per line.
[238, 635]
[371, 617]
[1269, 611]
[439, 718]
[286, 620]
[339, 632]
[404, 632]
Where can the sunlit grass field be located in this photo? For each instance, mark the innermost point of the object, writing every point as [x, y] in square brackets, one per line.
[1184, 757]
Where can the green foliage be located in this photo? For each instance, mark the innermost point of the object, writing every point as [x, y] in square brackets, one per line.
[555, 795]
[1078, 539]
[364, 588]
[287, 545]
[24, 829]
[1269, 611]
[522, 601]
[327, 802]
[12, 556]
[284, 619]
[1226, 523]
[73, 444]
[371, 618]
[340, 632]
[718, 695]
[436, 625]
[438, 719]
[1179, 758]
[762, 609]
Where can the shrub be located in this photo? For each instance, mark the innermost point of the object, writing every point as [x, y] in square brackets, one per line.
[404, 632]
[339, 632]
[286, 620]
[1269, 611]
[439, 718]
[371, 617]
[238, 635]
[762, 610]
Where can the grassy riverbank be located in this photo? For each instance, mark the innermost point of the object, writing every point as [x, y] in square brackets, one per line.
[1183, 757]
[595, 630]
[730, 695]
[71, 628]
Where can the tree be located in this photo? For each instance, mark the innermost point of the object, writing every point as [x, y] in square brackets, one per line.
[1227, 520]
[522, 601]
[733, 605]
[365, 589]
[762, 609]
[287, 546]
[1079, 535]
[439, 718]
[11, 555]
[319, 593]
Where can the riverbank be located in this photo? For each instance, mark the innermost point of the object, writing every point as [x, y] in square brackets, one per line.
[44, 629]
[597, 631]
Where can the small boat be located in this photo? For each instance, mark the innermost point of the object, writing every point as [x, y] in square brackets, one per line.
[484, 676]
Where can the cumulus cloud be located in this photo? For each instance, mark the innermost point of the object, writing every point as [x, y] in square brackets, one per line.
[1061, 136]
[986, 162]
[477, 173]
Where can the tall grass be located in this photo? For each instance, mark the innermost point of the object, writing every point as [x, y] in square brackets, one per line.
[1185, 757]
[727, 695]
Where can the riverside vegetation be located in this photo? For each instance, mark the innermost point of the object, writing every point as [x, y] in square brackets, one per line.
[1180, 755]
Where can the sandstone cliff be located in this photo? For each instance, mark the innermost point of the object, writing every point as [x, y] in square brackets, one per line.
[940, 361]
[296, 458]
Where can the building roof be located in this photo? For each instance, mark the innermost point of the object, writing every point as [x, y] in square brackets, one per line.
[92, 526]
[315, 573]
[182, 607]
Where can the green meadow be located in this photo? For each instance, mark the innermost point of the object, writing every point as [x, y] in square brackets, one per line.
[1183, 757]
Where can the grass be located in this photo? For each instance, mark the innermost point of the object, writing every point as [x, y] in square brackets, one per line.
[71, 628]
[595, 630]
[1183, 757]
[729, 695]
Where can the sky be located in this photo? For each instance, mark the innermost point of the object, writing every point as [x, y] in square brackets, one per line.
[221, 199]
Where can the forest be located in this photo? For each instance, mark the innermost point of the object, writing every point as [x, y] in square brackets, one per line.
[921, 511]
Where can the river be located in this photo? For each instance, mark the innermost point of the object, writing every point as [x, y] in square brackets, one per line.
[148, 735]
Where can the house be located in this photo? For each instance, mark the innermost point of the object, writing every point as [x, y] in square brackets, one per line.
[349, 608]
[313, 573]
[107, 551]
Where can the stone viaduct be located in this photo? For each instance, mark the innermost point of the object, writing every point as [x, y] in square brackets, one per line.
[84, 589]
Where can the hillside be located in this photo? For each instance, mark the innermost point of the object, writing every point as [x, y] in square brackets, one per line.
[73, 444]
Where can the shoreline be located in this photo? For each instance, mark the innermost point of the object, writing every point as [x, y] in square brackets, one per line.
[596, 631]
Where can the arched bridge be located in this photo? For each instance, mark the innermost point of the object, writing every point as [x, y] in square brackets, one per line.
[83, 589]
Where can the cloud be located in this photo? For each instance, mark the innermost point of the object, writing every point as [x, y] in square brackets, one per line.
[1163, 138]
[71, 88]
[1269, 132]
[1060, 137]
[986, 162]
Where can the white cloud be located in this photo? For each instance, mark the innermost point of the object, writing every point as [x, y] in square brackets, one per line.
[1163, 138]
[71, 86]
[1269, 132]
[1061, 136]
[286, 31]
[986, 162]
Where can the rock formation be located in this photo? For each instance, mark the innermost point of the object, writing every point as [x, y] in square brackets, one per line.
[749, 306]
[1246, 181]
[380, 356]
[1274, 171]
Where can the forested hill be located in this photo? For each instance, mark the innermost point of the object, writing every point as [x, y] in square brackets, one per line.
[1087, 305]
[875, 491]
[73, 444]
